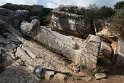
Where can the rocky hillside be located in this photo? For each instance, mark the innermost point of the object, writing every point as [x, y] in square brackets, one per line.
[72, 47]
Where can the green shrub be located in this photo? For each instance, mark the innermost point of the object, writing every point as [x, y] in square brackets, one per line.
[117, 24]
[34, 10]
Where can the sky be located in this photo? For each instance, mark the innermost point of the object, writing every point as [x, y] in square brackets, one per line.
[56, 3]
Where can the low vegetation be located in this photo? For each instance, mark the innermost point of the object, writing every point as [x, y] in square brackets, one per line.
[35, 10]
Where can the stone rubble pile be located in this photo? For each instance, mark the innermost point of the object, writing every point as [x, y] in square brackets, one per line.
[47, 52]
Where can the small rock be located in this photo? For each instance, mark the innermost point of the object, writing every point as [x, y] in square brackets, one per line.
[100, 76]
[60, 76]
[49, 74]
[39, 72]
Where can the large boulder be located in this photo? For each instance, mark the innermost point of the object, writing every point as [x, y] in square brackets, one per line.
[14, 18]
[85, 53]
[71, 24]
[90, 52]
[30, 28]
[120, 58]
[106, 50]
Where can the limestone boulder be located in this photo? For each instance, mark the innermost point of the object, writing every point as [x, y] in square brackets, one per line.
[30, 28]
[120, 58]
[90, 52]
[71, 24]
[106, 50]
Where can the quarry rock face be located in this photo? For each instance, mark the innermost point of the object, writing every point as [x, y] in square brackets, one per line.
[71, 24]
[85, 53]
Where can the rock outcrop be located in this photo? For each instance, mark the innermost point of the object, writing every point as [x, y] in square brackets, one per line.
[72, 24]
[54, 51]
[14, 18]
[85, 53]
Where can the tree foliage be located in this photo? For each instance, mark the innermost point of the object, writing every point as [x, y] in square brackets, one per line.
[92, 11]
[119, 5]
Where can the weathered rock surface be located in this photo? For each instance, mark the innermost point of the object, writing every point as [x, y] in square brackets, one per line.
[30, 29]
[71, 24]
[85, 53]
[120, 58]
[90, 52]
[17, 74]
[58, 43]
[29, 55]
